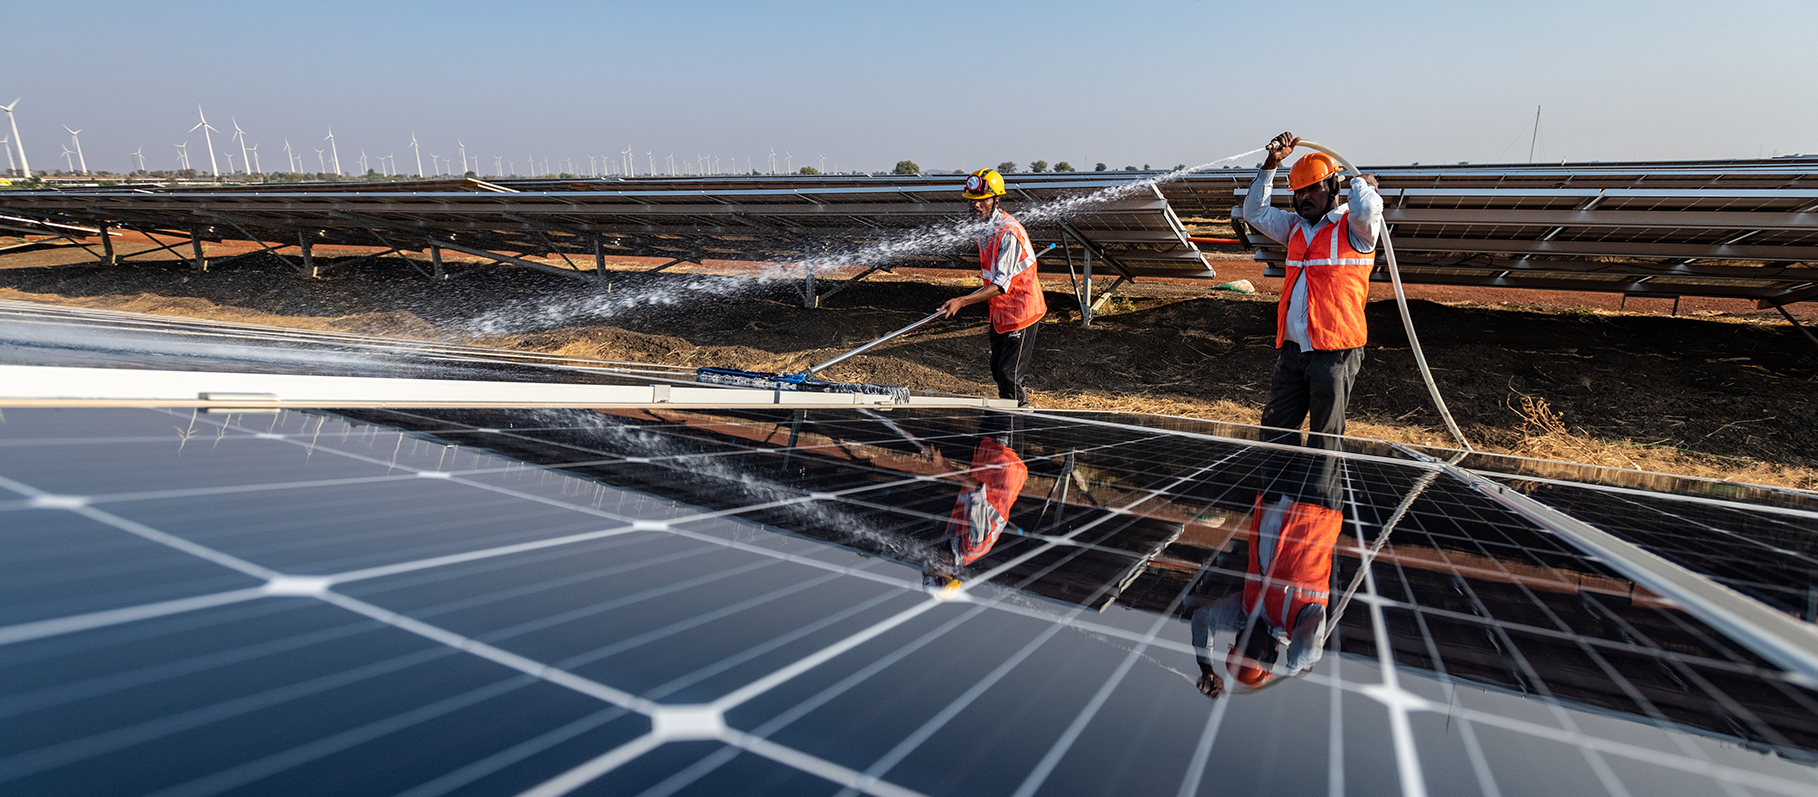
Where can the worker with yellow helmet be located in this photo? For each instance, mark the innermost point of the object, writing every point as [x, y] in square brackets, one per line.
[1011, 290]
[1319, 325]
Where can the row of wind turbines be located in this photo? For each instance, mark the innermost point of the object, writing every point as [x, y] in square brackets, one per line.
[328, 158]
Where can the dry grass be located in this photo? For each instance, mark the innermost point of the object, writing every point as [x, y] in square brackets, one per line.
[1543, 434]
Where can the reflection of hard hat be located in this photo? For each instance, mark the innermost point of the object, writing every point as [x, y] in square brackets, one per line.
[984, 183]
[1247, 671]
[942, 586]
[1311, 168]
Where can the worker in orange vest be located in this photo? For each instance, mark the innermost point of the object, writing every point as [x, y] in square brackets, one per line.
[1011, 288]
[1319, 323]
[989, 488]
[1282, 607]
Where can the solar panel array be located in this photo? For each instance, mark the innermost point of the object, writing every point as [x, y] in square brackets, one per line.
[1661, 228]
[915, 225]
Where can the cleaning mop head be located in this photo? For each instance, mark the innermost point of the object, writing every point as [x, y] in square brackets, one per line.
[797, 382]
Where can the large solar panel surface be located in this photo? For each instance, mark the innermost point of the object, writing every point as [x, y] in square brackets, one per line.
[668, 601]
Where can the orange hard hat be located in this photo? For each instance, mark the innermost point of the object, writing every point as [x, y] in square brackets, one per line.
[1247, 671]
[1311, 168]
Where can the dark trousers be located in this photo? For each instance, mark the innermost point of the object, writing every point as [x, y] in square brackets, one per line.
[1313, 383]
[1010, 355]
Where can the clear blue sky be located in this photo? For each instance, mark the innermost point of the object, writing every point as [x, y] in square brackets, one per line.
[950, 85]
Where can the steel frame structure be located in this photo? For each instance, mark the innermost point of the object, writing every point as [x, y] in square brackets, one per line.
[1737, 228]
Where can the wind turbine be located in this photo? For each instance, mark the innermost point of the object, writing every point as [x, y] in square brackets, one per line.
[255, 161]
[182, 154]
[138, 157]
[241, 134]
[788, 163]
[290, 164]
[66, 155]
[230, 161]
[335, 151]
[415, 147]
[823, 163]
[24, 165]
[773, 160]
[321, 166]
[498, 165]
[78, 142]
[207, 140]
[650, 155]
[435, 163]
[10, 165]
[463, 157]
[625, 160]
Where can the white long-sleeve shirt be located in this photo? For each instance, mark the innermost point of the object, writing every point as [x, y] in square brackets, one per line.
[1012, 257]
[1279, 225]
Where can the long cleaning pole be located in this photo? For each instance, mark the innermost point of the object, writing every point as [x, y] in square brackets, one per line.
[912, 327]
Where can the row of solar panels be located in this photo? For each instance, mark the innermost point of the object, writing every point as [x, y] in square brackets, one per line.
[1720, 228]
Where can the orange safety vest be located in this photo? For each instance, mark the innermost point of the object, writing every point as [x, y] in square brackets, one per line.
[1338, 284]
[1002, 474]
[1023, 303]
[1300, 573]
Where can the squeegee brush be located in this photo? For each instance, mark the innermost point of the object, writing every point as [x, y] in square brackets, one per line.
[795, 382]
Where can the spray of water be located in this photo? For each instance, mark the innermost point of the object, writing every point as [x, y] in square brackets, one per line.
[715, 475]
[544, 313]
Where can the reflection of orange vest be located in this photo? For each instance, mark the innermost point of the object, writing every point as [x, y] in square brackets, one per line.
[1300, 573]
[1003, 474]
[1338, 284]
[1023, 303]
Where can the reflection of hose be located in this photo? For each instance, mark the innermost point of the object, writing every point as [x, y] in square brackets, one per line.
[1401, 301]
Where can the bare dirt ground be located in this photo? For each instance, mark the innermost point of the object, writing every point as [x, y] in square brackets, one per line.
[1720, 390]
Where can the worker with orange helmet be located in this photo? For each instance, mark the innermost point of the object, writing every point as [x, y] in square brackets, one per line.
[1281, 607]
[1011, 289]
[1319, 324]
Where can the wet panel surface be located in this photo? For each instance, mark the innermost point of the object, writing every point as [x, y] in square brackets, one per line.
[906, 602]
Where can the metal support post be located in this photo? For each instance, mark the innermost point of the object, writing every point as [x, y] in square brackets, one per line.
[1796, 325]
[1106, 296]
[435, 257]
[1085, 296]
[307, 242]
[809, 300]
[599, 259]
[107, 245]
[195, 242]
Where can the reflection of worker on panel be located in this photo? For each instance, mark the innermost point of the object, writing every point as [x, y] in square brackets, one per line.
[982, 510]
[1287, 583]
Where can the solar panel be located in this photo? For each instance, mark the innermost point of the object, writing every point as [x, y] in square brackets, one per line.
[836, 225]
[652, 600]
[1738, 228]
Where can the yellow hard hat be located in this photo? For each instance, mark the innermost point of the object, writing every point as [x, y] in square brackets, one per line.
[1311, 168]
[984, 184]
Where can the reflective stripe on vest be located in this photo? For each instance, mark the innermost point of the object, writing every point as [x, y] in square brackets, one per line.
[1023, 303]
[1338, 285]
